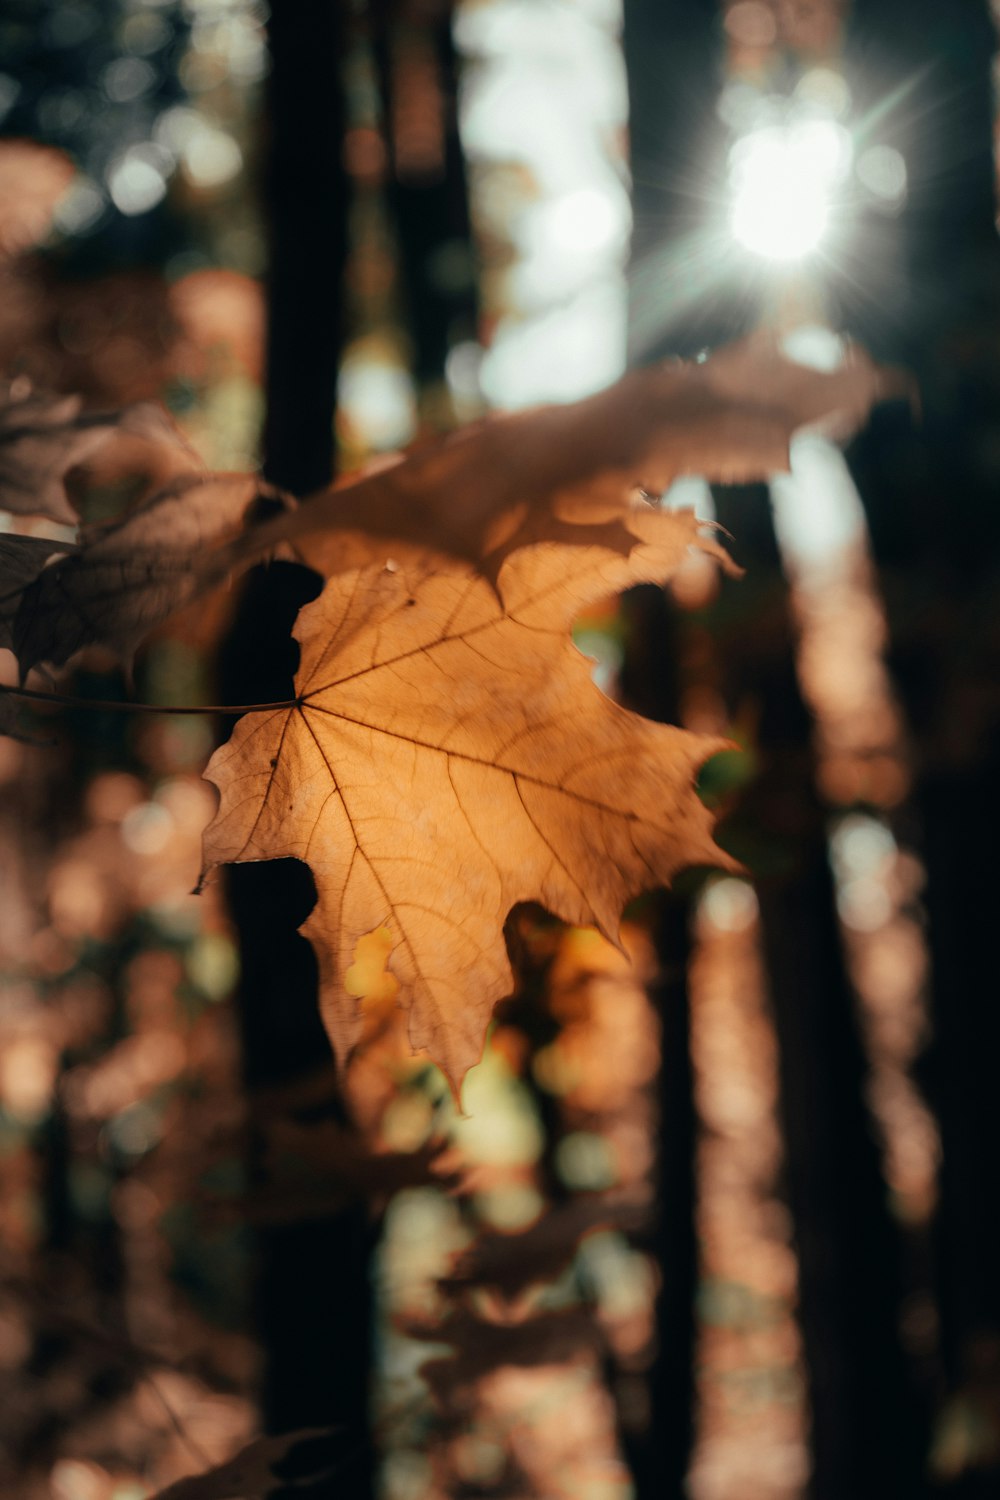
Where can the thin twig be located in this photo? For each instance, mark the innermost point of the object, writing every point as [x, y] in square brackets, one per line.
[64, 700]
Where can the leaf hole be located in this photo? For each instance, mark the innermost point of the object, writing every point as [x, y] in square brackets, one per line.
[369, 978]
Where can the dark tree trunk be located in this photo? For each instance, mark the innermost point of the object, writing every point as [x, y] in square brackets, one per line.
[868, 1433]
[306, 198]
[868, 1438]
[674, 65]
[688, 292]
[930, 494]
[659, 1456]
[427, 189]
[314, 1298]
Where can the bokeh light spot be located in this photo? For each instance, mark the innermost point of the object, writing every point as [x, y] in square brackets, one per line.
[127, 78]
[147, 829]
[510, 1206]
[137, 181]
[882, 170]
[584, 1161]
[80, 208]
[211, 157]
[730, 905]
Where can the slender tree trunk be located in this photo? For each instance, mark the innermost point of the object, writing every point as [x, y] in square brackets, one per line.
[314, 1293]
[868, 1432]
[930, 494]
[867, 1436]
[681, 300]
[659, 1456]
[673, 61]
[426, 194]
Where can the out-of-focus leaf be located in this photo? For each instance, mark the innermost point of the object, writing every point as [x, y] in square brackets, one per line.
[568, 473]
[22, 558]
[314, 1170]
[43, 437]
[260, 1468]
[482, 1346]
[11, 726]
[512, 1262]
[130, 575]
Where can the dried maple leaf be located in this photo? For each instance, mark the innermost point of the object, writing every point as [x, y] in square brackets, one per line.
[129, 575]
[22, 558]
[43, 437]
[559, 473]
[448, 757]
[40, 439]
[11, 712]
[567, 472]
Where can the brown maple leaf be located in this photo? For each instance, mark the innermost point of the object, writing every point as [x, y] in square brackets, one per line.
[42, 437]
[558, 473]
[129, 575]
[117, 579]
[22, 558]
[568, 472]
[447, 758]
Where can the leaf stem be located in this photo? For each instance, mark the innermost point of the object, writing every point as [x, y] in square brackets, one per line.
[64, 700]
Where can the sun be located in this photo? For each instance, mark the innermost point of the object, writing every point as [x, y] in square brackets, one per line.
[784, 179]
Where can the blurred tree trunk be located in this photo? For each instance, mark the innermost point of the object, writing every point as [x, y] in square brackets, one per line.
[868, 1433]
[674, 60]
[427, 196]
[673, 64]
[314, 1294]
[659, 1455]
[930, 495]
[674, 69]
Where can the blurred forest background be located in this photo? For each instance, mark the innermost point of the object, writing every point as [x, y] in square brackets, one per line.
[721, 1220]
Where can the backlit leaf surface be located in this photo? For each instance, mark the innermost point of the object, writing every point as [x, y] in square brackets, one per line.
[448, 758]
[559, 472]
